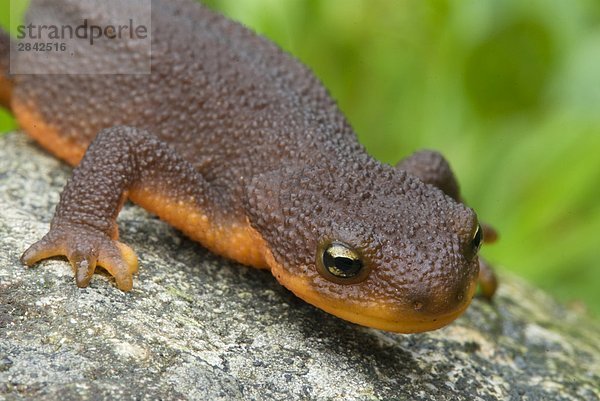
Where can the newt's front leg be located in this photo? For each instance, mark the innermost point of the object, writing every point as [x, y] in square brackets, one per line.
[121, 162]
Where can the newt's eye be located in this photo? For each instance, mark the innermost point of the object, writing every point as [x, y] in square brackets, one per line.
[341, 264]
[477, 239]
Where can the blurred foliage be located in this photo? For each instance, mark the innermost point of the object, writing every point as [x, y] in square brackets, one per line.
[508, 90]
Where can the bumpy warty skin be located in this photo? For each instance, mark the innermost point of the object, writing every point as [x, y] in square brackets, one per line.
[432, 168]
[417, 240]
[232, 103]
[276, 152]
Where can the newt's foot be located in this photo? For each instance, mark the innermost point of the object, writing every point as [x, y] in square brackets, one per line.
[488, 283]
[490, 235]
[86, 248]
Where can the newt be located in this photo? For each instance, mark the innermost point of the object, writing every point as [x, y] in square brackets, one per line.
[237, 144]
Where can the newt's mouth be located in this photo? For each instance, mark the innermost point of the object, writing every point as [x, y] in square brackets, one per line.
[398, 321]
[381, 317]
[377, 314]
[395, 318]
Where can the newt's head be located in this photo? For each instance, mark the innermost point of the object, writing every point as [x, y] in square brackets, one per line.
[374, 246]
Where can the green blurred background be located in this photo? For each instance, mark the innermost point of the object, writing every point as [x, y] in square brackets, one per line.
[508, 90]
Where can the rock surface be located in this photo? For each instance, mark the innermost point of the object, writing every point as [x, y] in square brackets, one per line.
[199, 327]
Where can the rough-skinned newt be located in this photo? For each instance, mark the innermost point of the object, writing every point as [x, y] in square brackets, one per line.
[238, 145]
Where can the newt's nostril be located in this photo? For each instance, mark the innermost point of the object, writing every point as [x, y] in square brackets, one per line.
[418, 305]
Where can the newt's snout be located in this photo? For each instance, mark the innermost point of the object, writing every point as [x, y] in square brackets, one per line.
[447, 298]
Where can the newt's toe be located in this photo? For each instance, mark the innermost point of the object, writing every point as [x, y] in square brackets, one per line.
[121, 263]
[84, 270]
[40, 250]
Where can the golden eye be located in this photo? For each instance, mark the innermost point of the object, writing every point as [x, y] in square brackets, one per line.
[477, 239]
[341, 264]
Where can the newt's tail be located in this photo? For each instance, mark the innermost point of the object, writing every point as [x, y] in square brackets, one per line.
[5, 80]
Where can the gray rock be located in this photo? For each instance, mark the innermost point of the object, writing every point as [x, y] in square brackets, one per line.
[200, 327]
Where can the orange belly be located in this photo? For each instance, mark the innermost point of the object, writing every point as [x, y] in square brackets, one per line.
[47, 135]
